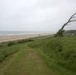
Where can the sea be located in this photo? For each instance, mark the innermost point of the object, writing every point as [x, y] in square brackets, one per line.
[8, 33]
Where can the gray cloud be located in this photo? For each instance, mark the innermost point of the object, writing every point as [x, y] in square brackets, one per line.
[36, 15]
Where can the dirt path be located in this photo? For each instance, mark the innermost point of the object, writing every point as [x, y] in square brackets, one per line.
[26, 62]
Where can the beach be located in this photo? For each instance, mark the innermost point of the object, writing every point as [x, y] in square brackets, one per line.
[19, 37]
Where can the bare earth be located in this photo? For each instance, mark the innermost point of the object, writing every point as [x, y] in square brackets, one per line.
[18, 37]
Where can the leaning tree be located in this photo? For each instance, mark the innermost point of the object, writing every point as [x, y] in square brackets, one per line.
[61, 30]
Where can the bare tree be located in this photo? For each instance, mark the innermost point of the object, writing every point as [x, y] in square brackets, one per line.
[71, 19]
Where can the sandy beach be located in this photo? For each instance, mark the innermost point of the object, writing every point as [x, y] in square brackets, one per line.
[19, 37]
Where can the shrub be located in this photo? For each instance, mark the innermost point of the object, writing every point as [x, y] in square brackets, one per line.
[1, 45]
[11, 43]
[25, 40]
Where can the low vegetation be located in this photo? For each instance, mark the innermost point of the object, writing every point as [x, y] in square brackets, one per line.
[5, 51]
[73, 32]
[11, 43]
[25, 40]
[10, 47]
[1, 45]
[59, 52]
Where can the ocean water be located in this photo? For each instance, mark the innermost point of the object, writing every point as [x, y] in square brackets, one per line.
[8, 33]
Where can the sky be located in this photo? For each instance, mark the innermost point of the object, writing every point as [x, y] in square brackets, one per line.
[36, 15]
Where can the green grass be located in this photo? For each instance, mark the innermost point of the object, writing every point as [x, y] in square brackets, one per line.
[8, 48]
[59, 53]
[26, 61]
[39, 56]
[6, 51]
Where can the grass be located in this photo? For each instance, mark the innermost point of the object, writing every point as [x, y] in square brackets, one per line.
[6, 51]
[8, 48]
[59, 53]
[26, 61]
[39, 56]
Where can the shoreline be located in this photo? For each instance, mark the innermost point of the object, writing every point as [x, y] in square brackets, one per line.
[20, 37]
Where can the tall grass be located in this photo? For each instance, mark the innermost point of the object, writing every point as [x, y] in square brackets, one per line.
[6, 51]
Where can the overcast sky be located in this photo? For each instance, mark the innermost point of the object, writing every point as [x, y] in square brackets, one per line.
[36, 15]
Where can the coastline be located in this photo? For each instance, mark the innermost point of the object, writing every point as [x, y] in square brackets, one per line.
[20, 37]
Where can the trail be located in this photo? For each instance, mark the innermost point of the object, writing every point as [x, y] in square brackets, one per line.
[27, 61]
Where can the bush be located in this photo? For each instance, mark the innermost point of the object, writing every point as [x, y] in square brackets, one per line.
[25, 40]
[1, 45]
[11, 43]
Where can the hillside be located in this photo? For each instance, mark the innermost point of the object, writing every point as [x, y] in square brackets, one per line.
[39, 56]
[59, 53]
